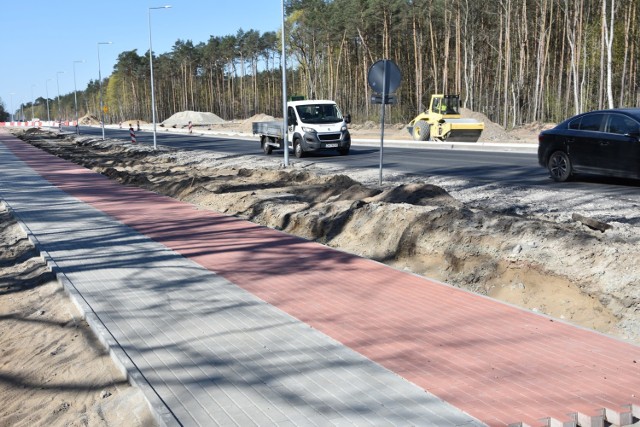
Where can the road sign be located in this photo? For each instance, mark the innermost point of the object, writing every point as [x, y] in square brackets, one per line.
[105, 109]
[384, 78]
[385, 69]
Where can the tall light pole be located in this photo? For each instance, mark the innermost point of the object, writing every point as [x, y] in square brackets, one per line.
[11, 94]
[33, 102]
[153, 97]
[47, 89]
[100, 89]
[58, 85]
[285, 126]
[75, 94]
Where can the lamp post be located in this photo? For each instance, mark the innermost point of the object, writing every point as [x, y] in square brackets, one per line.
[153, 98]
[47, 89]
[33, 103]
[284, 93]
[75, 94]
[100, 89]
[11, 94]
[58, 85]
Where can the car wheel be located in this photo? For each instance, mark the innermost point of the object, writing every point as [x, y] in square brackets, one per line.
[297, 149]
[559, 166]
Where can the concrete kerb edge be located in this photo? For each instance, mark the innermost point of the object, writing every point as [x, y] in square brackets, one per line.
[465, 146]
[375, 142]
[161, 413]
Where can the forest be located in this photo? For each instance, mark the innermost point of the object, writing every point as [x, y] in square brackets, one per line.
[516, 61]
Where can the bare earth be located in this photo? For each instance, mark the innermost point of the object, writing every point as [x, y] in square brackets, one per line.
[507, 243]
[53, 371]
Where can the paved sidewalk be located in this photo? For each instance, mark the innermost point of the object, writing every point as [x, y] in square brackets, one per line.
[230, 323]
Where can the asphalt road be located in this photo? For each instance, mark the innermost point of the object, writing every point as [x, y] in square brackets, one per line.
[512, 167]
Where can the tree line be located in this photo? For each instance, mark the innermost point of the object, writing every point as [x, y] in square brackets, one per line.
[516, 61]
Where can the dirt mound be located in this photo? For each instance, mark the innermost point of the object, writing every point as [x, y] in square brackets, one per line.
[492, 131]
[32, 131]
[247, 124]
[418, 194]
[258, 118]
[89, 120]
[197, 118]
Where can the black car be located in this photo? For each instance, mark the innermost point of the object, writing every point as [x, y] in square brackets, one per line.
[603, 142]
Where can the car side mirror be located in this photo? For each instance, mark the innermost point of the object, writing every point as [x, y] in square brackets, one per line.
[347, 118]
[291, 120]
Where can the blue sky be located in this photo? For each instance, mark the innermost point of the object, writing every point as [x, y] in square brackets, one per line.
[40, 38]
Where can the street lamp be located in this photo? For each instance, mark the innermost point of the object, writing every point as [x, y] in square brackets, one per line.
[33, 102]
[285, 126]
[153, 99]
[47, 89]
[75, 94]
[11, 94]
[59, 107]
[100, 89]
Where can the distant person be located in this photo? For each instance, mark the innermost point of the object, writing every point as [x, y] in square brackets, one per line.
[138, 126]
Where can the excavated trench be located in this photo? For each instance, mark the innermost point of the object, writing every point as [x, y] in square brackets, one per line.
[417, 227]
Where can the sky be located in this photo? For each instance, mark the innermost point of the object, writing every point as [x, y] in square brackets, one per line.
[41, 38]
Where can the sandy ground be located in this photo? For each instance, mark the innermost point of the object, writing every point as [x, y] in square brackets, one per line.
[53, 372]
[508, 243]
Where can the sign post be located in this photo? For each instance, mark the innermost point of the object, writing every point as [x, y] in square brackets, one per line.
[384, 78]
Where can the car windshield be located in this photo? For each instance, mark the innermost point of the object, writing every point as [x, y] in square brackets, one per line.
[319, 113]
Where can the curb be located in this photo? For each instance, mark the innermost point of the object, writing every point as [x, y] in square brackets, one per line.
[160, 411]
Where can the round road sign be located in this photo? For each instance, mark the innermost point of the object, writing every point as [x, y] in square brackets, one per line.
[385, 68]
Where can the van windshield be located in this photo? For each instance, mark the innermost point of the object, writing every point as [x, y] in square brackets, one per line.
[319, 113]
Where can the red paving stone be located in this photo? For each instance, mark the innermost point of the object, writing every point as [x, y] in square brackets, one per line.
[497, 362]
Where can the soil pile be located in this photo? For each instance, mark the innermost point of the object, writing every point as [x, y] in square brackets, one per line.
[197, 118]
[89, 120]
[246, 126]
[492, 131]
[562, 269]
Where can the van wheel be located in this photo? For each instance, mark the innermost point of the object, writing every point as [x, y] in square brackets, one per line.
[268, 149]
[297, 149]
[559, 166]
